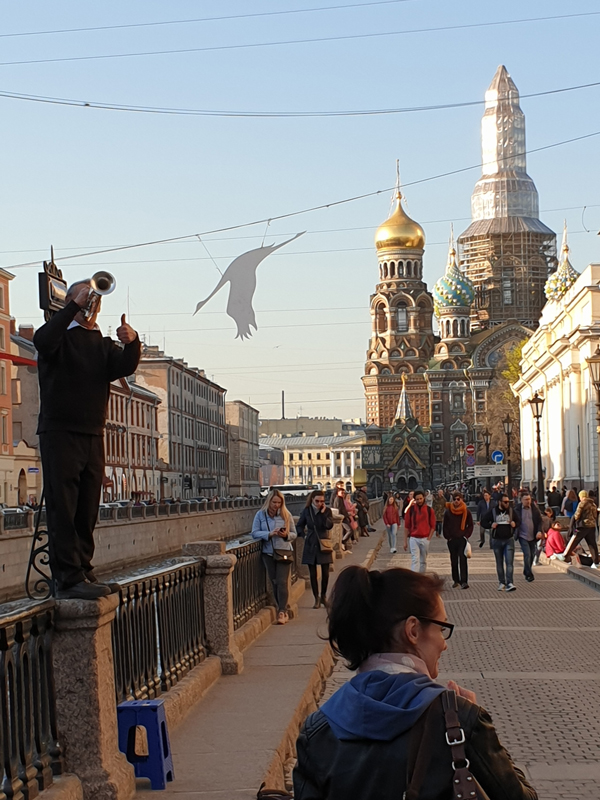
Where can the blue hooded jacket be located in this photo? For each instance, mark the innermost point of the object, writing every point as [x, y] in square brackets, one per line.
[379, 706]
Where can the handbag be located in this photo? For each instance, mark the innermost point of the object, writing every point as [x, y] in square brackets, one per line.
[278, 553]
[468, 549]
[325, 545]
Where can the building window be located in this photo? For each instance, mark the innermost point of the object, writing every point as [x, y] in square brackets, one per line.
[507, 290]
[2, 377]
[4, 429]
[401, 318]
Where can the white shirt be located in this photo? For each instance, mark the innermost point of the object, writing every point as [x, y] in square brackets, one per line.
[76, 324]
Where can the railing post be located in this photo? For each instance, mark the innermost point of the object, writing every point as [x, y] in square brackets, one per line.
[85, 698]
[218, 603]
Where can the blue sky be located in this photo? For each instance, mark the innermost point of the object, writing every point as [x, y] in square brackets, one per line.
[84, 179]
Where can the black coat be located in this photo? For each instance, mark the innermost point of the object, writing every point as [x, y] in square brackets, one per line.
[330, 769]
[312, 526]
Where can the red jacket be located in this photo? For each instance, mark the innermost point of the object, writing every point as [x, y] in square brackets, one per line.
[420, 521]
[391, 515]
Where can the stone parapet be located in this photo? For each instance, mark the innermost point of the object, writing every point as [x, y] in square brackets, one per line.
[85, 698]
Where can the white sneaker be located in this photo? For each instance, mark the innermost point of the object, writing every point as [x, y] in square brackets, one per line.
[501, 587]
[560, 557]
[510, 587]
[393, 550]
[595, 566]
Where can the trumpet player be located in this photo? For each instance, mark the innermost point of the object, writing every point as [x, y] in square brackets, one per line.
[75, 366]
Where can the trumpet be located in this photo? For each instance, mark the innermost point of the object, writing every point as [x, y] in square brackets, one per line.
[101, 284]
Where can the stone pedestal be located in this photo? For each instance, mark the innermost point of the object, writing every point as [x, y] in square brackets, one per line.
[218, 603]
[86, 707]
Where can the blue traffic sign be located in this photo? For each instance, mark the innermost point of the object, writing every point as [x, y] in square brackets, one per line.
[497, 456]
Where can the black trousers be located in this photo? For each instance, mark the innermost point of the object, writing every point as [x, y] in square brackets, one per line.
[458, 560]
[314, 580]
[73, 465]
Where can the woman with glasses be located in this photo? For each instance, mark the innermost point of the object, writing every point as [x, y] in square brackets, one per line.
[393, 731]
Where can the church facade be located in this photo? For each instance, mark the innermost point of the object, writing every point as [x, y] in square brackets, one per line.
[426, 394]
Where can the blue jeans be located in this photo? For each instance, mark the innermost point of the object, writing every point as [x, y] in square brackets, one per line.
[392, 531]
[418, 545]
[504, 552]
[528, 549]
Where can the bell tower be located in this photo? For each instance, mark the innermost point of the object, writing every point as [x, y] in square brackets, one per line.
[401, 342]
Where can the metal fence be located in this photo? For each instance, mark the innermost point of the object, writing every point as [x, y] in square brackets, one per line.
[159, 630]
[250, 582]
[29, 750]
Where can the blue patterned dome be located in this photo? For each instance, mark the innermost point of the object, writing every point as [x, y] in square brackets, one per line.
[453, 290]
[559, 283]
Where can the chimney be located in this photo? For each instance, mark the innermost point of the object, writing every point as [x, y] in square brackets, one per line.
[26, 332]
[13, 326]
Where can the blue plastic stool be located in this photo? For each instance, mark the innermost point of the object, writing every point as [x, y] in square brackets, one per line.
[150, 714]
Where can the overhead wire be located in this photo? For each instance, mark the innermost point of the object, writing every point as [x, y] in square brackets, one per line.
[198, 112]
[291, 214]
[288, 42]
[195, 20]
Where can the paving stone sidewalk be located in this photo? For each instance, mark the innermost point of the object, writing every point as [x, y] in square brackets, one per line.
[533, 658]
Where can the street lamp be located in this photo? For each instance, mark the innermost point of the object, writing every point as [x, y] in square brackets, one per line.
[594, 366]
[487, 440]
[537, 404]
[508, 423]
[461, 454]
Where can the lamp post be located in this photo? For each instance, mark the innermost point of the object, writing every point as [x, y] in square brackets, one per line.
[537, 404]
[508, 423]
[461, 455]
[593, 363]
[487, 440]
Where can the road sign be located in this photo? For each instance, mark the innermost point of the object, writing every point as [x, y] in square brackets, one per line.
[497, 456]
[470, 449]
[470, 472]
[470, 460]
[491, 471]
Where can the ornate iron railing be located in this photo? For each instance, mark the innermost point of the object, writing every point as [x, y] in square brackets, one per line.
[29, 751]
[250, 582]
[159, 629]
[15, 520]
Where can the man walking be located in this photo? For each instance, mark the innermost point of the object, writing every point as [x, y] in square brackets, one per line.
[502, 521]
[554, 500]
[439, 509]
[419, 527]
[484, 506]
[529, 526]
[75, 366]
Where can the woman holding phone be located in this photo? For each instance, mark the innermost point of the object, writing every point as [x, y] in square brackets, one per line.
[274, 525]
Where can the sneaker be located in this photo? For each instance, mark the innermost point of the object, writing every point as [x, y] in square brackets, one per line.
[455, 585]
[83, 591]
[560, 557]
[112, 586]
[393, 550]
[464, 586]
[501, 587]
[510, 587]
[282, 618]
[595, 566]
[529, 578]
[481, 544]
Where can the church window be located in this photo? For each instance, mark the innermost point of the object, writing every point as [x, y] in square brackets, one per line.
[463, 328]
[455, 328]
[409, 269]
[392, 269]
[380, 318]
[385, 269]
[401, 318]
[507, 288]
[386, 371]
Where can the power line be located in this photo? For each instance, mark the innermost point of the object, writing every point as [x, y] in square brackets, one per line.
[321, 207]
[204, 19]
[314, 232]
[286, 42]
[198, 112]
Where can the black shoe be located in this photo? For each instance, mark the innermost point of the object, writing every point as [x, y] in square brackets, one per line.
[371, 530]
[317, 603]
[83, 591]
[529, 578]
[112, 587]
[464, 586]
[481, 543]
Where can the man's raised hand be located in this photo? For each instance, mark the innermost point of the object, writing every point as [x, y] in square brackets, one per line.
[125, 332]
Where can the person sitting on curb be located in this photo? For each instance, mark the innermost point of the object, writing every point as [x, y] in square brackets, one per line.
[457, 528]
[419, 527]
[530, 524]
[502, 522]
[583, 526]
[555, 541]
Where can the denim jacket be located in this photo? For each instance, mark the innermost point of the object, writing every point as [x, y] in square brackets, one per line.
[263, 524]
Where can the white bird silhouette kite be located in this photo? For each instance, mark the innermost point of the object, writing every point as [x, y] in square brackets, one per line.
[241, 275]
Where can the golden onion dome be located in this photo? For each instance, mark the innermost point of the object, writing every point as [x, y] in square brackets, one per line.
[400, 230]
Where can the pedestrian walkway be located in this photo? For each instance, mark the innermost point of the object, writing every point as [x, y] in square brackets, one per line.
[533, 658]
[224, 747]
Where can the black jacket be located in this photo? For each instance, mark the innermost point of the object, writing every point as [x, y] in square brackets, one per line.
[483, 509]
[75, 368]
[313, 526]
[330, 769]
